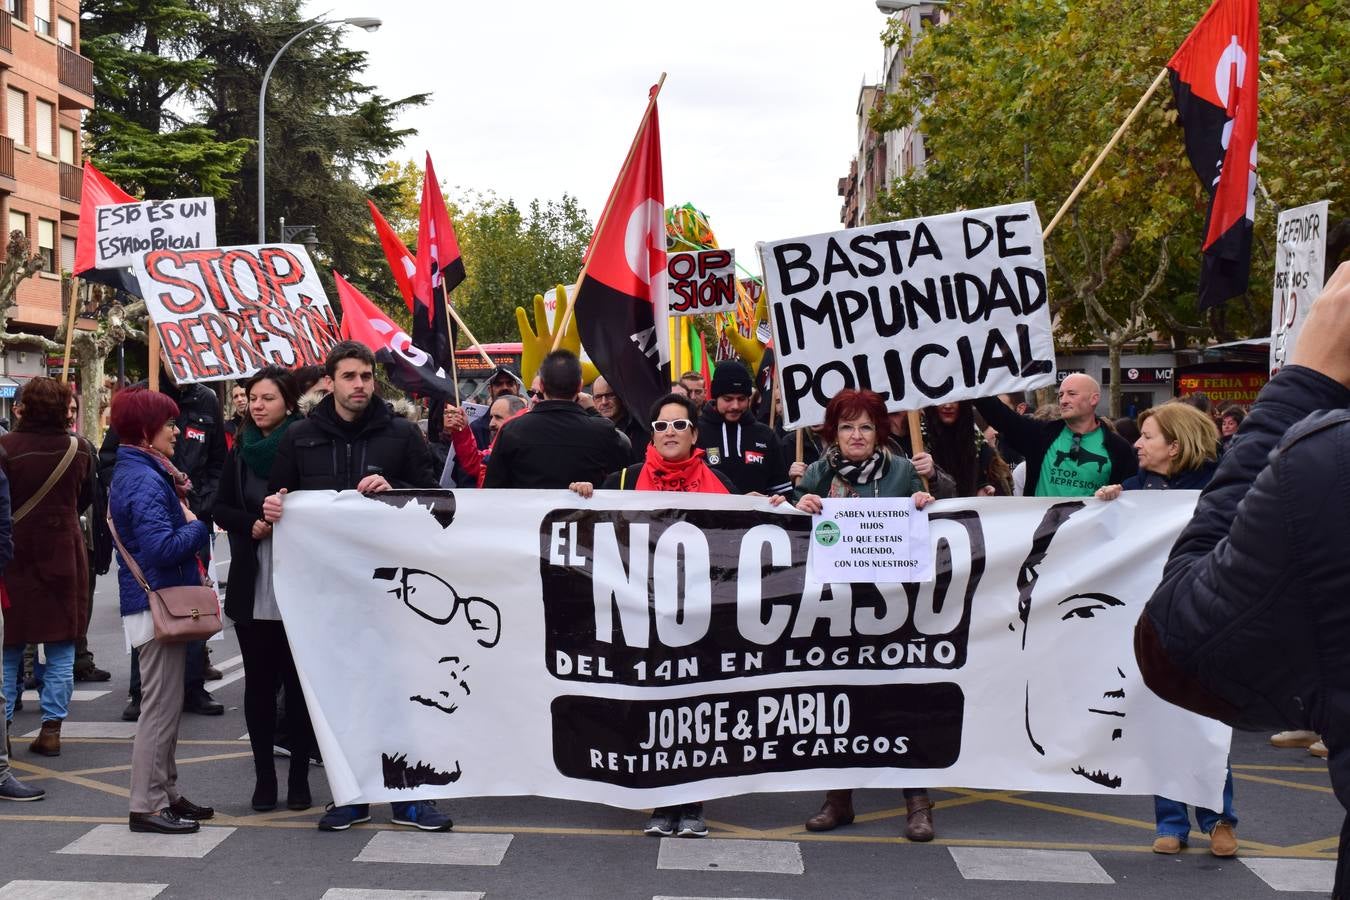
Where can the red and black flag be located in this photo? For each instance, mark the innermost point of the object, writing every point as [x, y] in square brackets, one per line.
[439, 270]
[401, 262]
[408, 366]
[97, 190]
[621, 297]
[1214, 81]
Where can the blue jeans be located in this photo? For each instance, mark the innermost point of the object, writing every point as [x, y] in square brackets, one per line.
[57, 677]
[1174, 820]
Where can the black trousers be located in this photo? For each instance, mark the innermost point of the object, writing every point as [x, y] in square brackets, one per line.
[268, 666]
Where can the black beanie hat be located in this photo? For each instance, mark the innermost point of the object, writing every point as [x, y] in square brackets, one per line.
[730, 377]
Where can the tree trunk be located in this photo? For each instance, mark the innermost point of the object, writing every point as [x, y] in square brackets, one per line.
[91, 386]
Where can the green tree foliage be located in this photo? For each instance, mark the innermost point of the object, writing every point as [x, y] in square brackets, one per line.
[1016, 98]
[142, 131]
[328, 134]
[512, 254]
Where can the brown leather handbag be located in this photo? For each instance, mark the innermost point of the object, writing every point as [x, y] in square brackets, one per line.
[182, 613]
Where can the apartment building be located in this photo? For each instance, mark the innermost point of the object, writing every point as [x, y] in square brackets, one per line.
[47, 86]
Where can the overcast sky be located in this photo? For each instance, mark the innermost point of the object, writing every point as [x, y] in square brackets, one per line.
[534, 99]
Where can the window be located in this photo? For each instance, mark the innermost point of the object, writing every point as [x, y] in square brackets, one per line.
[67, 151]
[42, 17]
[16, 123]
[67, 254]
[47, 244]
[42, 126]
[65, 33]
[17, 222]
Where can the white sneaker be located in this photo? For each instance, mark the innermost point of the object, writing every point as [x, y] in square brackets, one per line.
[1319, 749]
[1297, 739]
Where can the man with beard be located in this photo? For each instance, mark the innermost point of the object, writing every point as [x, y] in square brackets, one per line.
[351, 441]
[737, 446]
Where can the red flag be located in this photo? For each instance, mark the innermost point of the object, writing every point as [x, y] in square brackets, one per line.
[408, 366]
[95, 191]
[621, 297]
[439, 265]
[1214, 82]
[401, 262]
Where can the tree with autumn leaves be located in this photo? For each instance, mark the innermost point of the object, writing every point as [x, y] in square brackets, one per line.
[1015, 99]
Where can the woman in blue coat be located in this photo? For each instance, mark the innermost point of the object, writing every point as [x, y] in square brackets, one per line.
[147, 503]
[1177, 447]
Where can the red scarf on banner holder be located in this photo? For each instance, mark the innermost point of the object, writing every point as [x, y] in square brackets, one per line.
[692, 476]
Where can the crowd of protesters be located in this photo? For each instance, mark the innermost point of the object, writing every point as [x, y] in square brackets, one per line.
[175, 466]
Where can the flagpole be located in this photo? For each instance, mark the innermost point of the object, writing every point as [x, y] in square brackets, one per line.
[454, 363]
[1110, 145]
[465, 328]
[609, 205]
[916, 439]
[70, 330]
[152, 351]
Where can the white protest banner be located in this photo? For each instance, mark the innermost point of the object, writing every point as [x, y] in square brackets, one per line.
[1300, 257]
[225, 312]
[870, 539]
[923, 311]
[699, 282]
[639, 649]
[125, 232]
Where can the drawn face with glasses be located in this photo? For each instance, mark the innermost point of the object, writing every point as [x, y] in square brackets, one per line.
[673, 435]
[435, 600]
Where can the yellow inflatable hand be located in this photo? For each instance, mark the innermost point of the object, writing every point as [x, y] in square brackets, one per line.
[749, 349]
[536, 341]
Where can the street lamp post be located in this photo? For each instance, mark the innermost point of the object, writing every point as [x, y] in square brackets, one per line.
[368, 24]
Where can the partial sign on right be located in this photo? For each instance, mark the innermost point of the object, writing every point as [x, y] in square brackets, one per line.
[1300, 257]
[923, 311]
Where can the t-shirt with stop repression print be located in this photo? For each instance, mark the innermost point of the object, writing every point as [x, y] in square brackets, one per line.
[1075, 465]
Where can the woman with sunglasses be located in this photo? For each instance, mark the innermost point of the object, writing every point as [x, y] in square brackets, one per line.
[672, 463]
[858, 463]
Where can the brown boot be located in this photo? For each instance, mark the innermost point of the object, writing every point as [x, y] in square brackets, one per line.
[838, 810]
[48, 741]
[919, 821]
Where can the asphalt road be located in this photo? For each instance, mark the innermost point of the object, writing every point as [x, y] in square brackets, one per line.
[990, 844]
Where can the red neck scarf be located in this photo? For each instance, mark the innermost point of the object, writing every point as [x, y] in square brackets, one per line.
[692, 476]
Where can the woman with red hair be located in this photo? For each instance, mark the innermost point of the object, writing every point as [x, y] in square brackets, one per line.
[858, 463]
[147, 504]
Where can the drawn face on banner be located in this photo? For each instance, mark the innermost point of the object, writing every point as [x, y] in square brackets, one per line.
[1074, 710]
[441, 681]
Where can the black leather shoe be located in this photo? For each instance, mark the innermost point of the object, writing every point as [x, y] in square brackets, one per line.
[203, 704]
[133, 710]
[298, 797]
[162, 822]
[184, 808]
[93, 673]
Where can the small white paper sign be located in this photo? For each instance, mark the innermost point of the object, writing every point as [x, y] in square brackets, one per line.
[474, 411]
[872, 539]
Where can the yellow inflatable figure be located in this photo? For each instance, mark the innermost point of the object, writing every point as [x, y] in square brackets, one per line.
[749, 349]
[536, 341]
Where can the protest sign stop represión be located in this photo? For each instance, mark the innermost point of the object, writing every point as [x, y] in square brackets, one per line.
[922, 311]
[226, 312]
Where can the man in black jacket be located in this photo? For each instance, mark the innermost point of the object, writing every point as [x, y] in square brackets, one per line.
[743, 450]
[1251, 623]
[200, 455]
[1069, 458]
[556, 442]
[351, 441]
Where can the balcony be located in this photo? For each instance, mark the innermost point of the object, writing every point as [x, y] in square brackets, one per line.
[77, 73]
[6, 34]
[72, 179]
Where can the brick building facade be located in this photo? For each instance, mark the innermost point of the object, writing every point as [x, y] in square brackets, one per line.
[45, 87]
